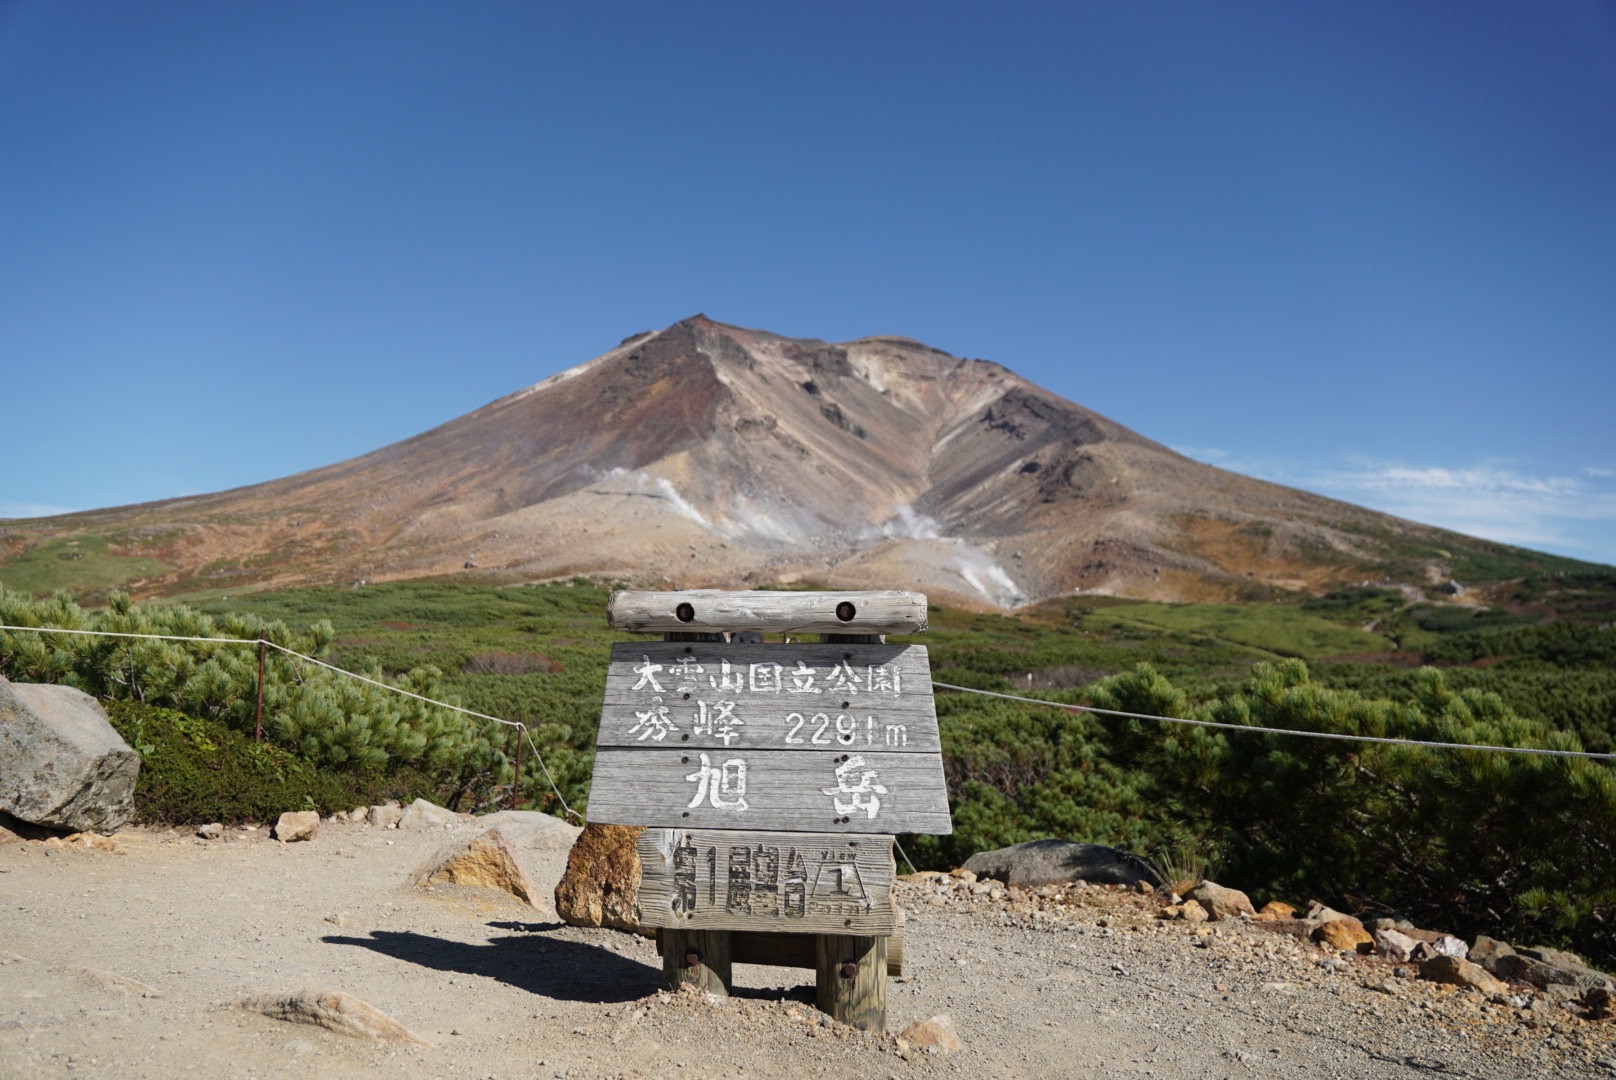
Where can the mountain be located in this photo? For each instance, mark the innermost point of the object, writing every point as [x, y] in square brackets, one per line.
[711, 455]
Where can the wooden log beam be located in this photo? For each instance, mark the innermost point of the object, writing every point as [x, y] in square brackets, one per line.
[797, 950]
[876, 612]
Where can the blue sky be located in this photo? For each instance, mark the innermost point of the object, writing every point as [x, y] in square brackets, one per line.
[1368, 249]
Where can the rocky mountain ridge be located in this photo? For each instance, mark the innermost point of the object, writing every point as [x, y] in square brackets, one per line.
[708, 455]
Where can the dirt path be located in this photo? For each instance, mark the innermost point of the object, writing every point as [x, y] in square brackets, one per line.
[504, 991]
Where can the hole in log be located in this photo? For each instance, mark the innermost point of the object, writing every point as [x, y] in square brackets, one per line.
[686, 613]
[844, 611]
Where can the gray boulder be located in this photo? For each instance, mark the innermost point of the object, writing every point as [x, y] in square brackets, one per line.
[1057, 862]
[61, 763]
[1547, 974]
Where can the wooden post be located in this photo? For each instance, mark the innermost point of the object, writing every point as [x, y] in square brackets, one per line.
[851, 980]
[698, 957]
[851, 972]
[516, 781]
[258, 711]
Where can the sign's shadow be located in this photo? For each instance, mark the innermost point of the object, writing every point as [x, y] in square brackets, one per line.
[553, 967]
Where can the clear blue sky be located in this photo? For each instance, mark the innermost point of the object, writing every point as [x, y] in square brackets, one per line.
[1365, 248]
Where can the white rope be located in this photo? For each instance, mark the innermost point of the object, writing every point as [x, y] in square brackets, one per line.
[523, 728]
[1281, 731]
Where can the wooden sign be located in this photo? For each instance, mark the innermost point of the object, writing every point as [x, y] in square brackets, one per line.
[825, 738]
[889, 612]
[700, 879]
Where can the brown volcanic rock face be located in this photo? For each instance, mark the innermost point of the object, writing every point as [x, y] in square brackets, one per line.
[710, 455]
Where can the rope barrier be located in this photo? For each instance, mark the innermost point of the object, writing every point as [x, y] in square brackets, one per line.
[1279, 731]
[523, 728]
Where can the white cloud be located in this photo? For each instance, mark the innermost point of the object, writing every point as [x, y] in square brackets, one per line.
[1573, 515]
[13, 508]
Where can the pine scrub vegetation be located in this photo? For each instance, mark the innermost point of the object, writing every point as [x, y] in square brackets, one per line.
[1517, 846]
[329, 721]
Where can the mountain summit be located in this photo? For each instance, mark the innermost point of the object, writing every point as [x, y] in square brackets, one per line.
[711, 455]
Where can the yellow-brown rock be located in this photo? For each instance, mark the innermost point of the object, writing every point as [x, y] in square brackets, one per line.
[1344, 935]
[602, 884]
[487, 860]
[1276, 909]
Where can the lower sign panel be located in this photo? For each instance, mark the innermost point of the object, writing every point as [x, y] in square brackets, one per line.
[792, 791]
[711, 879]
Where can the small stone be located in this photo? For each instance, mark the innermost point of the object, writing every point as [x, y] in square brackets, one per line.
[386, 815]
[937, 1031]
[1382, 986]
[967, 876]
[1192, 912]
[1458, 972]
[108, 980]
[1275, 909]
[213, 831]
[1324, 914]
[297, 825]
[358, 814]
[1487, 952]
[1221, 902]
[1394, 945]
[334, 1010]
[422, 814]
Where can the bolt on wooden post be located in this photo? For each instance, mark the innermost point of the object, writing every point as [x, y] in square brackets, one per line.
[771, 779]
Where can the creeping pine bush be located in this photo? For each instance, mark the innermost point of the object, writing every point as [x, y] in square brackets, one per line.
[328, 720]
[1521, 847]
[195, 770]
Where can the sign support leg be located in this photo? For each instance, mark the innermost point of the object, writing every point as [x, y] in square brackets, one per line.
[698, 957]
[851, 978]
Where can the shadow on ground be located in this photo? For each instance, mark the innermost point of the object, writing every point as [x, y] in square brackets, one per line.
[565, 970]
[554, 967]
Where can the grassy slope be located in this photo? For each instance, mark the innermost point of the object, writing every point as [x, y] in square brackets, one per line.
[80, 563]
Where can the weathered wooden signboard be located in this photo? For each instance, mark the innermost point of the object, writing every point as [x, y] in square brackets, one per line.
[708, 879]
[771, 777]
[832, 738]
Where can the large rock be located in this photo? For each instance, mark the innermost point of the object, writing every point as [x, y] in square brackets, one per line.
[1458, 972]
[1221, 902]
[1058, 862]
[61, 763]
[486, 861]
[533, 830]
[422, 814]
[602, 884]
[334, 1010]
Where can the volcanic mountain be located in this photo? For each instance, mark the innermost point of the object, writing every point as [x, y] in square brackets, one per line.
[709, 455]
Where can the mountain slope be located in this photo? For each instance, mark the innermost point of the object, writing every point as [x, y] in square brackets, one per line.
[711, 455]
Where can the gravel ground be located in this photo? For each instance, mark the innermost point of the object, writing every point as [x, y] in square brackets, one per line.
[123, 963]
